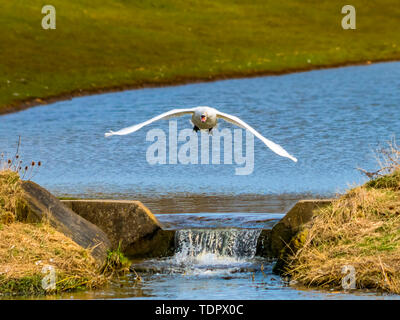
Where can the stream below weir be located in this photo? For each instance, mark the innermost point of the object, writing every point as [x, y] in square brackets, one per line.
[214, 262]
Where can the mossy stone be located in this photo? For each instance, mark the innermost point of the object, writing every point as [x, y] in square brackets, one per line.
[296, 243]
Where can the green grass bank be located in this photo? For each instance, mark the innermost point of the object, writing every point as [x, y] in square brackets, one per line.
[103, 45]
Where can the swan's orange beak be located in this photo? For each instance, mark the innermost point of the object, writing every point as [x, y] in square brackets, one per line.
[203, 118]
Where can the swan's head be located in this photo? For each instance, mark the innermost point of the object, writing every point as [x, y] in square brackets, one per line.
[203, 117]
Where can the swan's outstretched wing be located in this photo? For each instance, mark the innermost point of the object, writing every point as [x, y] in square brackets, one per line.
[273, 146]
[136, 127]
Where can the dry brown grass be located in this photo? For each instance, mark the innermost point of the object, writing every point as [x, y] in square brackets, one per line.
[9, 194]
[26, 248]
[388, 159]
[362, 229]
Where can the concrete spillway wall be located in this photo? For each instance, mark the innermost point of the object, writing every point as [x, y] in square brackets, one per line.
[128, 224]
[271, 242]
[132, 226]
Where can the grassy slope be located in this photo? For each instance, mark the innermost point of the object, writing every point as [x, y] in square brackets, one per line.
[361, 229]
[26, 248]
[102, 44]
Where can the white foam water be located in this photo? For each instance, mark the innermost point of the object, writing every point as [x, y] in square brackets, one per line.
[215, 247]
[208, 253]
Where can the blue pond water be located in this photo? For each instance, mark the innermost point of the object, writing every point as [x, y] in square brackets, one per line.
[331, 120]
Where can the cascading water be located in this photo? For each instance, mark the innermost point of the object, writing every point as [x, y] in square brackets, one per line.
[215, 252]
[208, 246]
[209, 251]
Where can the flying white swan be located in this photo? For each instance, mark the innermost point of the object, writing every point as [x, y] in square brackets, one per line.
[205, 118]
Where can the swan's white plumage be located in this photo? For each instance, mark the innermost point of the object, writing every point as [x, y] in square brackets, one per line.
[212, 115]
[165, 115]
[272, 145]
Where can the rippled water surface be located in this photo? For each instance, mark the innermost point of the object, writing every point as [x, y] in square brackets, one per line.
[331, 120]
[219, 220]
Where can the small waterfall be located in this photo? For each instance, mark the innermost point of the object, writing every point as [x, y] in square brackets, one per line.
[208, 252]
[215, 245]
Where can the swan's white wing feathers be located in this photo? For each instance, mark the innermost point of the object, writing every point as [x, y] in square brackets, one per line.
[165, 115]
[272, 145]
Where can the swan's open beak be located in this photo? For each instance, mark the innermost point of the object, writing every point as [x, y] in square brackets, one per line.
[203, 118]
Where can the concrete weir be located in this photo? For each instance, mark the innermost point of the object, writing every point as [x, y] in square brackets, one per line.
[128, 224]
[37, 205]
[132, 226]
[271, 242]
